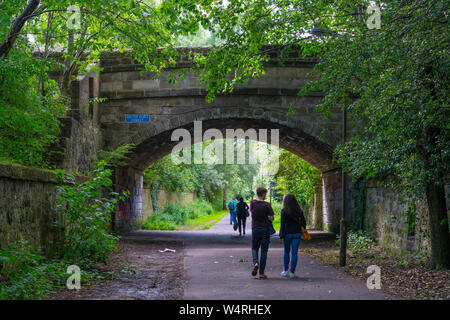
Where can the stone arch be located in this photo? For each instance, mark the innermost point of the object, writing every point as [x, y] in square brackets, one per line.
[153, 142]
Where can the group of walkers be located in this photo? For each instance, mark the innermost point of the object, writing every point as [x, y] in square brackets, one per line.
[292, 222]
[239, 211]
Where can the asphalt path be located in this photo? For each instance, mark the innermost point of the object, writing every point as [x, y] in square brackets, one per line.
[218, 266]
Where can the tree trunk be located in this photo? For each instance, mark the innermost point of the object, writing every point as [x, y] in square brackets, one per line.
[17, 26]
[439, 230]
[69, 64]
[437, 211]
[224, 199]
[434, 190]
[154, 193]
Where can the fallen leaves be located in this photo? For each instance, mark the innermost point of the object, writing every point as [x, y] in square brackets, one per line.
[401, 275]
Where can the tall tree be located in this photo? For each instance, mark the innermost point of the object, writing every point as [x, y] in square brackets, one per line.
[393, 80]
[17, 25]
[78, 30]
[81, 29]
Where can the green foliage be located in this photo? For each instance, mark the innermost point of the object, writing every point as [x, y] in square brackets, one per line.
[297, 176]
[201, 37]
[173, 216]
[208, 179]
[173, 177]
[28, 116]
[115, 158]
[87, 208]
[398, 74]
[217, 200]
[17, 258]
[30, 103]
[25, 274]
[277, 206]
[277, 222]
[198, 208]
[105, 25]
[358, 241]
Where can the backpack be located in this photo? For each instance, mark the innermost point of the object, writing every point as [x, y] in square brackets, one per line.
[231, 206]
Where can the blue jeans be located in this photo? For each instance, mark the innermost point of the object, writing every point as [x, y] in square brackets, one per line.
[260, 239]
[291, 243]
[232, 216]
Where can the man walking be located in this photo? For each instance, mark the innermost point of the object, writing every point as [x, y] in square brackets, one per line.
[232, 207]
[262, 215]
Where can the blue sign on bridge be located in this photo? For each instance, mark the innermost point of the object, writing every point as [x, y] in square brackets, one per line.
[130, 118]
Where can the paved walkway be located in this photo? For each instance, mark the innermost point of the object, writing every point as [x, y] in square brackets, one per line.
[218, 264]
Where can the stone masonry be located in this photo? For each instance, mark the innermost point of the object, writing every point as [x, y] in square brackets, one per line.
[261, 103]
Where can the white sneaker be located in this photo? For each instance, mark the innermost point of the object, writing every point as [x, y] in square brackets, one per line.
[284, 273]
[291, 275]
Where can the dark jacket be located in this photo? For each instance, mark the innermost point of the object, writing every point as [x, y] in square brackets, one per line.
[289, 225]
[260, 211]
[241, 209]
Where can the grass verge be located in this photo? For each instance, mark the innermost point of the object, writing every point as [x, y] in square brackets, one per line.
[198, 214]
[204, 222]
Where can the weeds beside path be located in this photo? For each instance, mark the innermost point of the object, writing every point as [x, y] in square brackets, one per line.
[402, 275]
[198, 214]
[137, 271]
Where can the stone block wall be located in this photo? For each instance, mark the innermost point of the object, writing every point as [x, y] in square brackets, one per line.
[385, 219]
[81, 137]
[164, 198]
[27, 207]
[82, 146]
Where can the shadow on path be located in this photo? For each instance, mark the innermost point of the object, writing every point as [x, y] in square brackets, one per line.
[218, 264]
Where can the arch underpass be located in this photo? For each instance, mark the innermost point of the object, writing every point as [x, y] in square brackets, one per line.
[268, 102]
[294, 140]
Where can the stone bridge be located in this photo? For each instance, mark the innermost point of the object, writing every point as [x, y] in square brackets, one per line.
[267, 102]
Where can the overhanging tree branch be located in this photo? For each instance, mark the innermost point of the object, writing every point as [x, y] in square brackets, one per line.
[17, 25]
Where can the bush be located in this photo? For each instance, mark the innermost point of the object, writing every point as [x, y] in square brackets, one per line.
[87, 210]
[153, 224]
[277, 206]
[24, 273]
[198, 208]
[167, 219]
[87, 213]
[29, 122]
[359, 241]
[173, 216]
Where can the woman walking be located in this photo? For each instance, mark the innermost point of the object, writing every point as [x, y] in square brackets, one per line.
[292, 218]
[242, 214]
